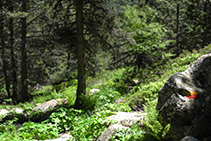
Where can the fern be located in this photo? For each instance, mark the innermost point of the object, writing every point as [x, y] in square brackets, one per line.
[152, 125]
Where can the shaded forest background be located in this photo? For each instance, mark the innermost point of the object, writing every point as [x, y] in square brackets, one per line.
[50, 42]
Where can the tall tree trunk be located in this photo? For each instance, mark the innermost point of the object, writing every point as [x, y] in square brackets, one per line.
[5, 63]
[14, 67]
[178, 32]
[24, 92]
[205, 24]
[81, 88]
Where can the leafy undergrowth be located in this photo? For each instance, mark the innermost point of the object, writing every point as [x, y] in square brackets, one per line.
[87, 124]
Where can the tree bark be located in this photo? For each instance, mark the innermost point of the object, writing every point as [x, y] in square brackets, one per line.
[81, 88]
[13, 65]
[5, 63]
[24, 92]
[178, 32]
[205, 24]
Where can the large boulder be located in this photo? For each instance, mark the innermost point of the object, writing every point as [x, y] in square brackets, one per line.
[185, 101]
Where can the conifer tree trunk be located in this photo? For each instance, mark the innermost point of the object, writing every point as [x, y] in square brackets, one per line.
[5, 63]
[205, 23]
[81, 88]
[24, 93]
[178, 31]
[13, 62]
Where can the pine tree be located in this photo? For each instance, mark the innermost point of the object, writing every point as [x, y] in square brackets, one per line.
[3, 46]
[81, 89]
[24, 85]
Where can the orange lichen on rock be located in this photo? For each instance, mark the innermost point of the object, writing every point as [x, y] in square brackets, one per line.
[192, 94]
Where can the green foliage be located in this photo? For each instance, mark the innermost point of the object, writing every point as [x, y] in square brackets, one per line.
[144, 92]
[64, 118]
[152, 125]
[134, 134]
[96, 100]
[69, 93]
[145, 34]
[81, 125]
[8, 131]
[28, 131]
[66, 90]
[42, 95]
[89, 128]
[105, 78]
[121, 86]
[90, 101]
[61, 87]
[31, 130]
[106, 96]
[110, 108]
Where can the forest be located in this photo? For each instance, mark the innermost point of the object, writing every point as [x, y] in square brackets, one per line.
[63, 49]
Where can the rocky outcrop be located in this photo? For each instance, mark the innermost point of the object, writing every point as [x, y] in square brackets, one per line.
[185, 101]
[122, 121]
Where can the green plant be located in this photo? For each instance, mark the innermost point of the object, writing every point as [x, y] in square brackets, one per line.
[42, 95]
[88, 127]
[40, 131]
[89, 101]
[94, 101]
[135, 133]
[114, 107]
[107, 95]
[121, 135]
[121, 87]
[7, 127]
[64, 118]
[151, 123]
[143, 93]
[82, 126]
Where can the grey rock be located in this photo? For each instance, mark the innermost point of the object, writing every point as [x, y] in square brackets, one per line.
[187, 117]
[93, 91]
[110, 131]
[18, 110]
[122, 120]
[189, 138]
[44, 107]
[18, 125]
[179, 83]
[3, 112]
[127, 119]
[63, 137]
